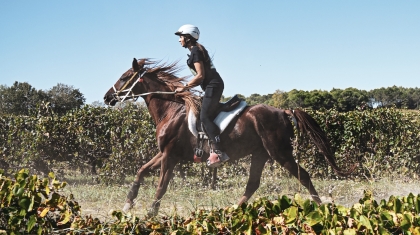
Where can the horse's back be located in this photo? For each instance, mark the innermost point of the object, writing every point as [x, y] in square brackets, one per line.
[265, 118]
[263, 112]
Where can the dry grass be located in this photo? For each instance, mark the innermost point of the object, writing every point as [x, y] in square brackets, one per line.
[185, 196]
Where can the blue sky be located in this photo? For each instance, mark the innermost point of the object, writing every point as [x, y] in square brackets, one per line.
[257, 46]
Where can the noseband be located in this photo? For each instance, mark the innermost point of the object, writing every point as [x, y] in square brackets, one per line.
[129, 92]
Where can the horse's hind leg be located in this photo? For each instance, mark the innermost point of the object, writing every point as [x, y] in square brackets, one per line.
[288, 162]
[281, 150]
[258, 161]
[144, 170]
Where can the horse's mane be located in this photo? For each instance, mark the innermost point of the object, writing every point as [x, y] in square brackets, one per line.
[167, 73]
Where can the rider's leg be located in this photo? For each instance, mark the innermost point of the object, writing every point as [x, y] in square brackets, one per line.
[209, 106]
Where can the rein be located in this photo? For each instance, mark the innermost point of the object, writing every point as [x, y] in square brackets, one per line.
[129, 92]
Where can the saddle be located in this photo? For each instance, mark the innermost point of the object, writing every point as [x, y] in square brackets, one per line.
[227, 106]
[226, 112]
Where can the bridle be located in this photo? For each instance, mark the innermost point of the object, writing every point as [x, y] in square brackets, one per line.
[129, 94]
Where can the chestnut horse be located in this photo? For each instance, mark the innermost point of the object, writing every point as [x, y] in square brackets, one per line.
[261, 131]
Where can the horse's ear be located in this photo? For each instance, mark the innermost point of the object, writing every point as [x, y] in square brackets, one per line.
[136, 66]
[142, 62]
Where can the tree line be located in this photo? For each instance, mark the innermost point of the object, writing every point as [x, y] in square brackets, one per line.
[22, 99]
[345, 100]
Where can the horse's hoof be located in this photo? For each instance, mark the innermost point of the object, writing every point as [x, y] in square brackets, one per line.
[152, 213]
[127, 206]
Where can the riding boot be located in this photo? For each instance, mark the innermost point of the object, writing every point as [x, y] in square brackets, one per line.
[217, 157]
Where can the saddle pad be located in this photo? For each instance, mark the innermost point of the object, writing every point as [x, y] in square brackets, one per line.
[222, 120]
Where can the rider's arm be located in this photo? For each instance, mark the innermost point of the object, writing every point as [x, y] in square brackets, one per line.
[199, 77]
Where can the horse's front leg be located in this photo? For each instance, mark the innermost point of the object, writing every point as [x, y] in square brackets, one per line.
[144, 170]
[166, 170]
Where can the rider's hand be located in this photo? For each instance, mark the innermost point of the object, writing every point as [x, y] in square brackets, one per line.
[181, 89]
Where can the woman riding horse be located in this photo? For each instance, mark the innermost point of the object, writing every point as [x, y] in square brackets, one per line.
[208, 78]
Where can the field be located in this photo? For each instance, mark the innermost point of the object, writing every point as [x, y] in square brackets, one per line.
[187, 195]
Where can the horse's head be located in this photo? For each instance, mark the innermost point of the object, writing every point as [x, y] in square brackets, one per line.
[129, 84]
[156, 80]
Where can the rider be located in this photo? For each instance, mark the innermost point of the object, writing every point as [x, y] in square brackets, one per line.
[208, 78]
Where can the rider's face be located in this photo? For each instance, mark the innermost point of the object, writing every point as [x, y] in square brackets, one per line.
[182, 40]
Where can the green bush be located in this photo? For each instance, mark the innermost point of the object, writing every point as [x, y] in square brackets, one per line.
[30, 205]
[383, 142]
[117, 141]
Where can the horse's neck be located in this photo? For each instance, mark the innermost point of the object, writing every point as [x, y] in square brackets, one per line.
[159, 108]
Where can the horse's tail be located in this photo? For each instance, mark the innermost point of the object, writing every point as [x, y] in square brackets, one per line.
[306, 124]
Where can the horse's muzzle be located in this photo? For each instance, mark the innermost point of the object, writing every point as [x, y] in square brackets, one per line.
[110, 100]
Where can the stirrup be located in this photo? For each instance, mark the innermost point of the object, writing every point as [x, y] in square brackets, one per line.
[222, 155]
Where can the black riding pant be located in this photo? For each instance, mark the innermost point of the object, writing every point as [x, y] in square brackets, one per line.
[211, 99]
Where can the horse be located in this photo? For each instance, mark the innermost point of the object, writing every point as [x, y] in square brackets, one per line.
[260, 131]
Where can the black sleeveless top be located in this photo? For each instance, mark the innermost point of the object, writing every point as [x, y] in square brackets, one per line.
[211, 76]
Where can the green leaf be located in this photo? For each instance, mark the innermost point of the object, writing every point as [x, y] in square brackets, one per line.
[364, 221]
[31, 223]
[410, 198]
[23, 212]
[313, 218]
[406, 221]
[39, 231]
[276, 207]
[383, 231]
[66, 218]
[22, 175]
[15, 189]
[24, 203]
[356, 210]
[298, 199]
[19, 192]
[291, 214]
[31, 205]
[387, 219]
[342, 210]
[249, 227]
[351, 231]
[398, 205]
[285, 202]
[417, 204]
[307, 207]
[325, 210]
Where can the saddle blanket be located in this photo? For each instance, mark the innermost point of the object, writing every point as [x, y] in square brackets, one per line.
[222, 120]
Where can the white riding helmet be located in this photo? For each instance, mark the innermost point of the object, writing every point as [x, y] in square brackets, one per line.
[190, 30]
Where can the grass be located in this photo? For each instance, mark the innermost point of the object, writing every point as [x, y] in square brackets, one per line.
[187, 195]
